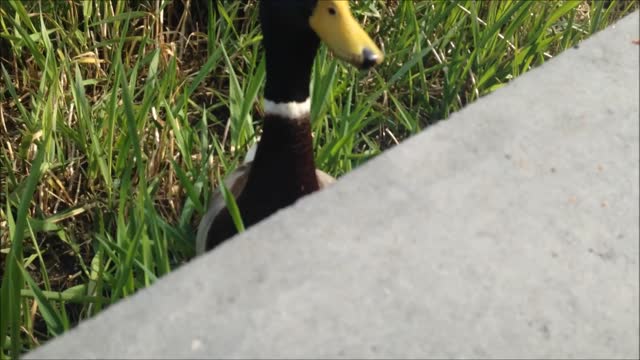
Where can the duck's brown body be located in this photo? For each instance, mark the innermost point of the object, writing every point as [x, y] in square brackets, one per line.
[282, 171]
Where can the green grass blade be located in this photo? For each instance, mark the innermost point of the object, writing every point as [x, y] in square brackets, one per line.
[12, 280]
[232, 206]
[49, 313]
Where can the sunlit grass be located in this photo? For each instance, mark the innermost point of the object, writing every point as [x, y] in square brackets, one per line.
[118, 118]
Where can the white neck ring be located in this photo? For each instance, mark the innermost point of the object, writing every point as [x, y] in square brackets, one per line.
[290, 110]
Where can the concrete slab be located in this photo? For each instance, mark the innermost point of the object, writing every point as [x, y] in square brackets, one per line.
[509, 231]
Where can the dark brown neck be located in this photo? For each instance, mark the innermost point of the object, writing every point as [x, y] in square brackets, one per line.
[284, 165]
[282, 171]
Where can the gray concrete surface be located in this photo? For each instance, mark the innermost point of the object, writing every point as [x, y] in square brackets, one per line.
[509, 231]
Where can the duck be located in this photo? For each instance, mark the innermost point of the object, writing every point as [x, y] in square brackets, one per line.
[282, 169]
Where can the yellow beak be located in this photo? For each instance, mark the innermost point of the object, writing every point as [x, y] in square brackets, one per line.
[334, 24]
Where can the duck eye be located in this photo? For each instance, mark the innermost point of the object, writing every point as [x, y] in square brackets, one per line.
[332, 11]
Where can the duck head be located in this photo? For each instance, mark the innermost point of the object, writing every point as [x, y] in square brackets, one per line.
[292, 31]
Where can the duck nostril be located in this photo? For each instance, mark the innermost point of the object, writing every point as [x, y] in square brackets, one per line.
[369, 58]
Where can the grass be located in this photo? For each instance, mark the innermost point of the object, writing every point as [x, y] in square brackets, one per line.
[117, 119]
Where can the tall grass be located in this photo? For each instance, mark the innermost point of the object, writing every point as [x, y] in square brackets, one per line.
[117, 119]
